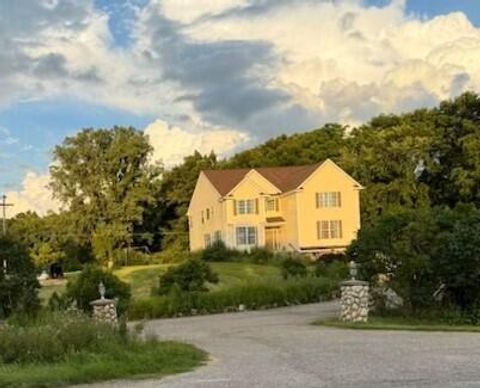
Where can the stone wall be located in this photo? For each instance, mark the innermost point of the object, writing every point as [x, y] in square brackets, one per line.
[105, 310]
[354, 301]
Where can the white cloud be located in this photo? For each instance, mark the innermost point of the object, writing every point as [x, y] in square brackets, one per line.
[186, 59]
[34, 195]
[171, 144]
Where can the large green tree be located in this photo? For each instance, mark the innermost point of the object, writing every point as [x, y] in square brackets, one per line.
[105, 178]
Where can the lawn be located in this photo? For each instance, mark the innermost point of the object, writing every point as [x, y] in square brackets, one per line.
[143, 277]
[397, 323]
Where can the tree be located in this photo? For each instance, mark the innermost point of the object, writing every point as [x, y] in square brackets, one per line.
[105, 178]
[399, 246]
[454, 174]
[176, 190]
[43, 254]
[457, 255]
[18, 282]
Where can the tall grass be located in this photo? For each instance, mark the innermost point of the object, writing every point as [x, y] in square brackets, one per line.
[66, 348]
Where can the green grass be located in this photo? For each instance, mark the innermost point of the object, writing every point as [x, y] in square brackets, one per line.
[143, 277]
[142, 360]
[234, 274]
[397, 323]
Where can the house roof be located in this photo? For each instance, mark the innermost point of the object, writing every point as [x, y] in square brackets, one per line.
[284, 178]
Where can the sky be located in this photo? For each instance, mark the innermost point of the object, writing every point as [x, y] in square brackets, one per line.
[217, 75]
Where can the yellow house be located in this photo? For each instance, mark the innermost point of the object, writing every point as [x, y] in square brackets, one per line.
[312, 209]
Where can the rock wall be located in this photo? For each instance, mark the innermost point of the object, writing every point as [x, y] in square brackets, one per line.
[354, 301]
[105, 310]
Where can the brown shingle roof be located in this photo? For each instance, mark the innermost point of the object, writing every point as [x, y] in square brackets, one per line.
[284, 178]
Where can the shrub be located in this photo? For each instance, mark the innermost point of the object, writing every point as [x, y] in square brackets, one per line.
[218, 252]
[252, 295]
[260, 255]
[18, 290]
[293, 268]
[84, 288]
[337, 270]
[189, 276]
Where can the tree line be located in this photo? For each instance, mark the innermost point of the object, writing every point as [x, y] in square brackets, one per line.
[116, 198]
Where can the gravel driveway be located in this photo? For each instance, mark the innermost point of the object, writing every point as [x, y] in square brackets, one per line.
[278, 348]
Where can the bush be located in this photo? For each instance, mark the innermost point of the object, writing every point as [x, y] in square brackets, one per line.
[337, 270]
[292, 268]
[189, 276]
[218, 252]
[84, 288]
[253, 296]
[260, 255]
[18, 290]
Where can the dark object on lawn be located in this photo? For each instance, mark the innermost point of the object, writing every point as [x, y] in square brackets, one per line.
[55, 270]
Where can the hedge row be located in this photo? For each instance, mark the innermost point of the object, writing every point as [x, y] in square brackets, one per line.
[252, 296]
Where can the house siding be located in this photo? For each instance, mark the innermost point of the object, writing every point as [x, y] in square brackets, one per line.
[296, 217]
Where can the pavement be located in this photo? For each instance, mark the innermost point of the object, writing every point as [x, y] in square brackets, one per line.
[279, 348]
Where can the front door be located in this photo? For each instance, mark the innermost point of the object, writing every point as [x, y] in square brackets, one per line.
[272, 238]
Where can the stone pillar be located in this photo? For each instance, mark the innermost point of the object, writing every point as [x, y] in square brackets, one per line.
[354, 301]
[105, 310]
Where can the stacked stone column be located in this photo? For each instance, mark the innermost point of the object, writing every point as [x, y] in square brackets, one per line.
[105, 310]
[354, 301]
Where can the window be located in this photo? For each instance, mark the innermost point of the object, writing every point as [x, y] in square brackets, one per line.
[246, 206]
[271, 204]
[207, 240]
[208, 214]
[203, 218]
[217, 236]
[246, 235]
[329, 199]
[329, 229]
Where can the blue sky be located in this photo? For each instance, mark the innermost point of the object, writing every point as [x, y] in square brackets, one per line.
[219, 70]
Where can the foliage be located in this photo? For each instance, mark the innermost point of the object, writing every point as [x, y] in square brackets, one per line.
[399, 247]
[64, 348]
[53, 236]
[43, 254]
[457, 257]
[293, 268]
[252, 296]
[106, 179]
[83, 289]
[218, 252]
[53, 337]
[189, 276]
[176, 190]
[337, 269]
[423, 254]
[18, 285]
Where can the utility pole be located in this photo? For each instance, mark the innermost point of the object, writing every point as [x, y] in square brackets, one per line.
[4, 206]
